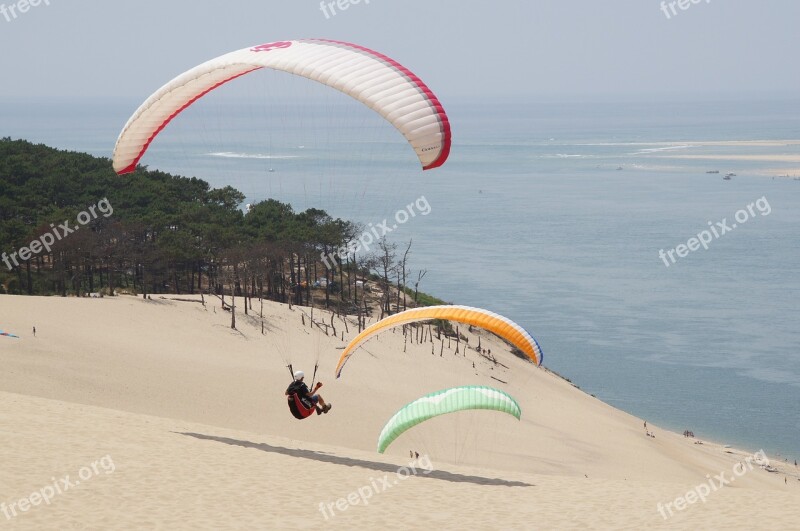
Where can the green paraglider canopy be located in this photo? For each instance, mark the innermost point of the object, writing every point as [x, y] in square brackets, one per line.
[443, 402]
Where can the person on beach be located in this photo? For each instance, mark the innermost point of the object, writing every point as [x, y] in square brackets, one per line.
[299, 387]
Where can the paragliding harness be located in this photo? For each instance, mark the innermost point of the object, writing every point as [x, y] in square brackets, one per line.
[301, 406]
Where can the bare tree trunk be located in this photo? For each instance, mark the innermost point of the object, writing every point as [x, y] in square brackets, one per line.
[350, 278]
[420, 275]
[308, 282]
[402, 273]
[328, 280]
[233, 306]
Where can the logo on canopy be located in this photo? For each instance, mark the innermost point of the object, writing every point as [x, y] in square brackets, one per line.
[271, 46]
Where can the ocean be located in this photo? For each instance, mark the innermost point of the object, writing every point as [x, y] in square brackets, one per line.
[552, 213]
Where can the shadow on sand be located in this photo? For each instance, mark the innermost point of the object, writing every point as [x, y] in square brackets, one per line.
[348, 461]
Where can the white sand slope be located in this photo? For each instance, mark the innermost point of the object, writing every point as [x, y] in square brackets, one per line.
[193, 417]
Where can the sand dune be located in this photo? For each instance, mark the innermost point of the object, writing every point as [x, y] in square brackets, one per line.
[192, 416]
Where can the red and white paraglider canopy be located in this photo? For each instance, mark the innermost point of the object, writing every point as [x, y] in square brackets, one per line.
[375, 80]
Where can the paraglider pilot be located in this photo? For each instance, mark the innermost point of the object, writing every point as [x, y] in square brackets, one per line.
[299, 387]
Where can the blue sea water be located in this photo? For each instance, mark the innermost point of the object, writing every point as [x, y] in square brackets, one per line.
[532, 217]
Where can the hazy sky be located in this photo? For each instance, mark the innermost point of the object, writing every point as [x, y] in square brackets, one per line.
[461, 48]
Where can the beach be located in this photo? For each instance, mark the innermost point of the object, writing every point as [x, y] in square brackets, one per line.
[168, 418]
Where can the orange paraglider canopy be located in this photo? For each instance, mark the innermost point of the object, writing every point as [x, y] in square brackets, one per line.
[502, 326]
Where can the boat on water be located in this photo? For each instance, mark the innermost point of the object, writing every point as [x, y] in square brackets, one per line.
[713, 171]
[726, 178]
